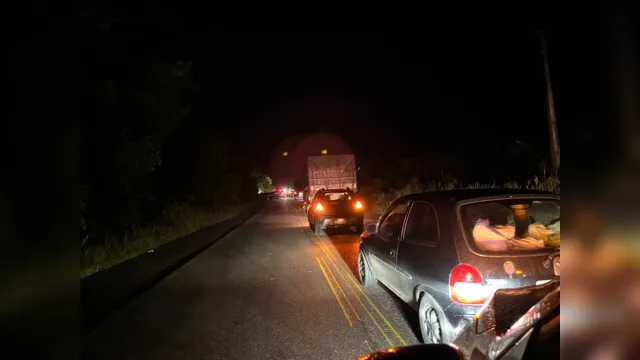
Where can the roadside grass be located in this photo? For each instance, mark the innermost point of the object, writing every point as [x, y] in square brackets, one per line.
[381, 200]
[178, 220]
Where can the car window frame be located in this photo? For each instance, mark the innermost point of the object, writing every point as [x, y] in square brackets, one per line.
[431, 244]
[386, 214]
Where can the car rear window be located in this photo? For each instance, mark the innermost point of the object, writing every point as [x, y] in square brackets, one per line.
[512, 225]
[333, 196]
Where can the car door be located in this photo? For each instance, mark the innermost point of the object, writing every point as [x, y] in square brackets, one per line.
[384, 244]
[418, 256]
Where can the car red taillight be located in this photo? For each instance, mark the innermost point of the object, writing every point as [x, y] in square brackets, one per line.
[358, 205]
[466, 285]
[319, 207]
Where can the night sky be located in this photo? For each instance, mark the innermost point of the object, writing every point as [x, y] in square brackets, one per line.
[474, 97]
[394, 95]
[379, 90]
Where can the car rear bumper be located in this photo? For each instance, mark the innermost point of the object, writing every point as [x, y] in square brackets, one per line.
[334, 221]
[459, 315]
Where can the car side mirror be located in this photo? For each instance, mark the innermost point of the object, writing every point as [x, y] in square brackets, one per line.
[423, 351]
[372, 228]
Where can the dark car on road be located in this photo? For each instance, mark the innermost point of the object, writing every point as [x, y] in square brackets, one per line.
[445, 253]
[335, 208]
[274, 195]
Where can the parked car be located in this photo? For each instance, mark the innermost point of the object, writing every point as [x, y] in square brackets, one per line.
[279, 194]
[335, 208]
[275, 195]
[445, 253]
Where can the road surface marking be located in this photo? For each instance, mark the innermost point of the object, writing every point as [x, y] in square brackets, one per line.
[355, 293]
[358, 297]
[331, 258]
[344, 311]
[386, 321]
[339, 287]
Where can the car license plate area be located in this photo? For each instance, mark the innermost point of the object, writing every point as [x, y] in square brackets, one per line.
[556, 266]
[336, 222]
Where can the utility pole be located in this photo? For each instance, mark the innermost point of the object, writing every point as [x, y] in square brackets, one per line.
[551, 112]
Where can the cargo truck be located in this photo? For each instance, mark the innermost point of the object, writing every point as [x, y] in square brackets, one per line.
[329, 172]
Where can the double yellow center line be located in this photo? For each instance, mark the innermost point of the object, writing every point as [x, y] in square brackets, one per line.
[333, 284]
[357, 291]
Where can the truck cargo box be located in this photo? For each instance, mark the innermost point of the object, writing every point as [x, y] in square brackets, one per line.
[331, 172]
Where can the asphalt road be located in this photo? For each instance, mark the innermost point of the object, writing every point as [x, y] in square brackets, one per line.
[270, 289]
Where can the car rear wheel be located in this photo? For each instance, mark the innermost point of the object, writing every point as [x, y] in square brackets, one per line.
[433, 325]
[364, 270]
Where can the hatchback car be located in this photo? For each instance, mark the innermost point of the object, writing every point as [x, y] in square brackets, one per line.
[335, 208]
[445, 253]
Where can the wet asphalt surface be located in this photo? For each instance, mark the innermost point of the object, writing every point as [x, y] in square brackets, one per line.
[270, 289]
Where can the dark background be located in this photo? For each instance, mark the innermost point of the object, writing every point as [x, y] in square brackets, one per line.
[471, 100]
[471, 96]
[468, 105]
[55, 68]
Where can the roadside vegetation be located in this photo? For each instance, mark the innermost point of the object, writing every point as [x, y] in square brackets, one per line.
[379, 199]
[177, 220]
[152, 170]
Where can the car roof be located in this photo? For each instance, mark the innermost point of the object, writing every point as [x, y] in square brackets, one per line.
[464, 194]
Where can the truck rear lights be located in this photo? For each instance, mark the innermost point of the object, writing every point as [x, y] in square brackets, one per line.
[319, 207]
[358, 205]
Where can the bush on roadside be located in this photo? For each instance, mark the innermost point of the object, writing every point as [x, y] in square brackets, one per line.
[177, 220]
[380, 200]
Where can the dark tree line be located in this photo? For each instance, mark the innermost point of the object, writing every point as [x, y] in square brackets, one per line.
[516, 163]
[140, 151]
